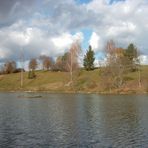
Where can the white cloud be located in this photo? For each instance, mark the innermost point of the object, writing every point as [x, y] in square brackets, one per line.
[78, 37]
[23, 37]
[62, 41]
[120, 29]
[34, 42]
[66, 39]
[95, 41]
[144, 59]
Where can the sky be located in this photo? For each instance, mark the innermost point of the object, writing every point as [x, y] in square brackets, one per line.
[49, 27]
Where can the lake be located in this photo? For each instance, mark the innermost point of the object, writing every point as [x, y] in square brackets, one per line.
[73, 120]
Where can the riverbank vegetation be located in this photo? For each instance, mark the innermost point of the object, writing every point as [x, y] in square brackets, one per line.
[121, 72]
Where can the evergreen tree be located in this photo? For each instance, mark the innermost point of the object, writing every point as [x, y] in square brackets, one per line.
[89, 59]
[131, 54]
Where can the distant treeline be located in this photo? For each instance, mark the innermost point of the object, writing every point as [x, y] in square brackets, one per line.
[10, 67]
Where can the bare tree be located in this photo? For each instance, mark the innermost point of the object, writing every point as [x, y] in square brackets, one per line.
[69, 61]
[41, 59]
[58, 64]
[72, 59]
[32, 67]
[114, 70]
[46, 61]
[22, 67]
[139, 69]
[9, 67]
[33, 64]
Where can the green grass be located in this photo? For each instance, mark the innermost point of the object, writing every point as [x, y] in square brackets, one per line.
[86, 81]
[44, 80]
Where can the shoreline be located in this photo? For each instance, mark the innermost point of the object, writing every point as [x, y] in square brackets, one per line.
[75, 92]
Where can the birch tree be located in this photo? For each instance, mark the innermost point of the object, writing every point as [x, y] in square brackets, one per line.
[72, 62]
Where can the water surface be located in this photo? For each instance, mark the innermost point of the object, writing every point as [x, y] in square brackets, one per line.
[73, 120]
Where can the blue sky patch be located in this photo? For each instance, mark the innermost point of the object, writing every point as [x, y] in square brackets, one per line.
[82, 1]
[113, 1]
[87, 34]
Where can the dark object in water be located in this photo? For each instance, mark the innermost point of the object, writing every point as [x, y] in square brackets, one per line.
[24, 96]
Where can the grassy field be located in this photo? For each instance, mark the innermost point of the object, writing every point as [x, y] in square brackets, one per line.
[83, 81]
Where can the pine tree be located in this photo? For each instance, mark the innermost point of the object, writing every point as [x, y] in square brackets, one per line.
[131, 53]
[89, 59]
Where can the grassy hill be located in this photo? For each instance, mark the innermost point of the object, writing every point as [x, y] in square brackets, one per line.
[84, 81]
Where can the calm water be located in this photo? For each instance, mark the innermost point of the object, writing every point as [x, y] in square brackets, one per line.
[67, 121]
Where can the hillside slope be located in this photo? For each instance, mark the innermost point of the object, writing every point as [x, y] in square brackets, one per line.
[84, 81]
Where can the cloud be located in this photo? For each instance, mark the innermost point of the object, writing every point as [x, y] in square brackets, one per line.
[13, 10]
[33, 42]
[44, 27]
[123, 21]
[66, 39]
[144, 59]
[124, 27]
[95, 41]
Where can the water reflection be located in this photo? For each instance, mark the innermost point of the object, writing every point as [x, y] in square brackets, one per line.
[70, 120]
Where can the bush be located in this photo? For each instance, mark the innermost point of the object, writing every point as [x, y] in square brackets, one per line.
[31, 75]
